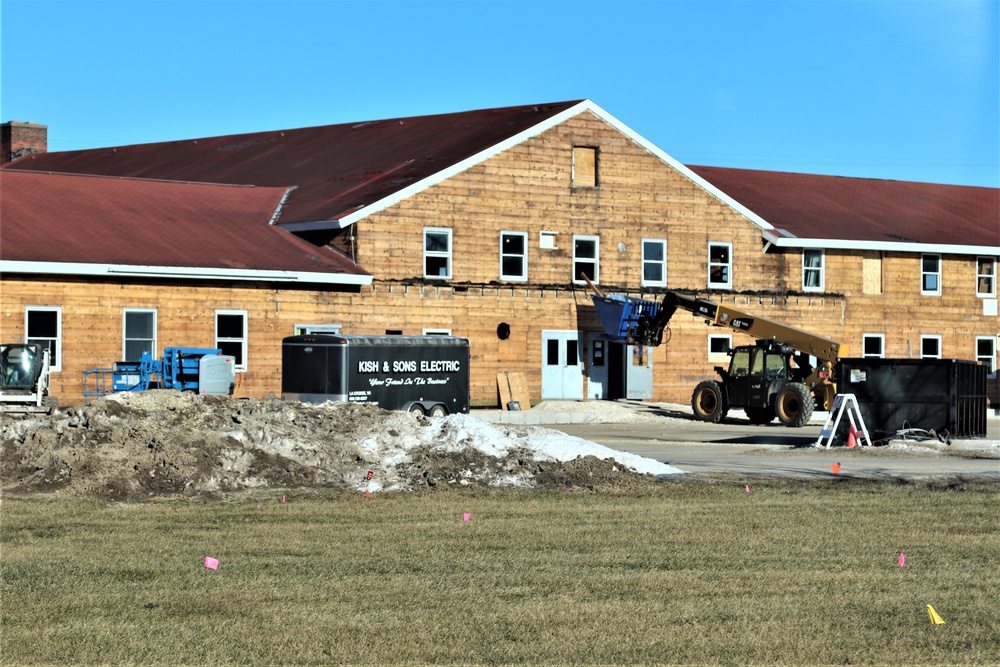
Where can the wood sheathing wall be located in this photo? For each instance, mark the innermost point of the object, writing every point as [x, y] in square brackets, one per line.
[529, 188]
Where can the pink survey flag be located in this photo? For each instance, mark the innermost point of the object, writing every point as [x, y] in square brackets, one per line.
[282, 499]
[211, 563]
[466, 516]
[902, 559]
[748, 488]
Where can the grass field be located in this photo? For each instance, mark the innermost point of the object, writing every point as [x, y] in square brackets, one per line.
[696, 573]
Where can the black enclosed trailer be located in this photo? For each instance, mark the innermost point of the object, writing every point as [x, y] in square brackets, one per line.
[947, 396]
[427, 374]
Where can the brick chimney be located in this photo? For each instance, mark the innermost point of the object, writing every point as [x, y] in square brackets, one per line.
[18, 139]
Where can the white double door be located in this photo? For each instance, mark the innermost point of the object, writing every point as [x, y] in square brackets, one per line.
[562, 367]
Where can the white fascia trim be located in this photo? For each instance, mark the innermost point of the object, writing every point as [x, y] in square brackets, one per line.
[181, 272]
[889, 246]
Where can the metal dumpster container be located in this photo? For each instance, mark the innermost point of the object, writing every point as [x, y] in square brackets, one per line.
[947, 396]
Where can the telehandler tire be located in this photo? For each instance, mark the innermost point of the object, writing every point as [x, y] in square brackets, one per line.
[794, 405]
[708, 403]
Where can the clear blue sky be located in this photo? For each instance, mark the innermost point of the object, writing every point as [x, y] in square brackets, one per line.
[906, 90]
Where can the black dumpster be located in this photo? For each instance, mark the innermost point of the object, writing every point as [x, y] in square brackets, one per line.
[947, 396]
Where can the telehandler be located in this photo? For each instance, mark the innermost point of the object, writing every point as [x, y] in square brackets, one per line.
[772, 378]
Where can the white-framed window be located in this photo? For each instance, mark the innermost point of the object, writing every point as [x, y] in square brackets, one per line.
[873, 345]
[930, 346]
[719, 346]
[986, 353]
[437, 332]
[586, 258]
[930, 275]
[813, 273]
[320, 329]
[514, 256]
[231, 335]
[437, 252]
[43, 326]
[986, 277]
[654, 263]
[585, 167]
[720, 265]
[138, 333]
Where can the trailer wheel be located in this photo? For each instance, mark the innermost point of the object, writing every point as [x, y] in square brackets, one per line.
[438, 410]
[415, 409]
[760, 415]
[708, 403]
[794, 405]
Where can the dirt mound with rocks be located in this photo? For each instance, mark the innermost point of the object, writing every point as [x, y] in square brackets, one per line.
[166, 443]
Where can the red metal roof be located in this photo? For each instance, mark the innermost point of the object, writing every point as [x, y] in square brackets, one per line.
[808, 206]
[97, 220]
[337, 169]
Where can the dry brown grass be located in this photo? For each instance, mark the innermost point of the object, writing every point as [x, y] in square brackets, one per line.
[791, 573]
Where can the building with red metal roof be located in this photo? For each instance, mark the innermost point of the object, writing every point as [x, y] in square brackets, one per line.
[485, 224]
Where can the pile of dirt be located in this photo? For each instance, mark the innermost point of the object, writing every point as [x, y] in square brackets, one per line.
[166, 443]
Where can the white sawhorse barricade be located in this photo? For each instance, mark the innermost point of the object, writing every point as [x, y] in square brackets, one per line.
[844, 403]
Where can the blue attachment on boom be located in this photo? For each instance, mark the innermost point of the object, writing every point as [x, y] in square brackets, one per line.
[620, 315]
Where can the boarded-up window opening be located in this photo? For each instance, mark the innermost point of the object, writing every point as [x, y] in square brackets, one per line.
[584, 167]
[871, 271]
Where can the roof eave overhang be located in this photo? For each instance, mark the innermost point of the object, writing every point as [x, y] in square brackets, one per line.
[182, 273]
[775, 238]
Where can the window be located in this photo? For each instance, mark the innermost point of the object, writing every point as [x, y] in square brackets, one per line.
[720, 265]
[930, 347]
[719, 346]
[552, 352]
[986, 276]
[986, 353]
[231, 335]
[873, 345]
[43, 326]
[513, 256]
[813, 278]
[138, 333]
[586, 259]
[437, 252]
[654, 263]
[584, 167]
[930, 275]
[437, 332]
[740, 365]
[321, 329]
